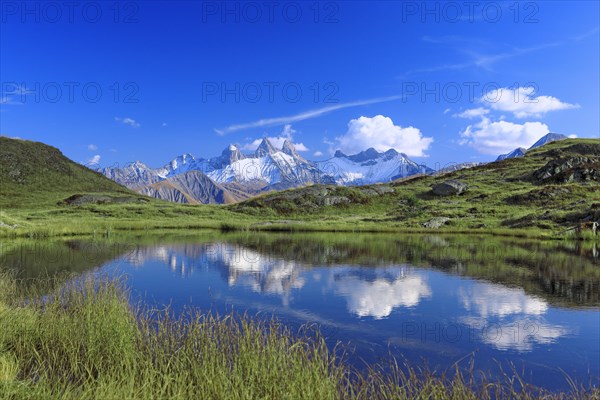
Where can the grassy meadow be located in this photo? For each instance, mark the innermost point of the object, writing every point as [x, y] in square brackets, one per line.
[82, 340]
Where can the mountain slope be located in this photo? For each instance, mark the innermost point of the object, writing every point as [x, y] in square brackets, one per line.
[192, 187]
[520, 151]
[35, 174]
[549, 138]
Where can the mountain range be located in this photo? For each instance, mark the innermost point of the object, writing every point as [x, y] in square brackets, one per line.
[552, 189]
[234, 176]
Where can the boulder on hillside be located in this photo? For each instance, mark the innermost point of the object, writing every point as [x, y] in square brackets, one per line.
[436, 223]
[449, 188]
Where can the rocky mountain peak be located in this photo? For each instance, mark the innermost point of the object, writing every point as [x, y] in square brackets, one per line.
[265, 148]
[289, 148]
[232, 154]
[366, 155]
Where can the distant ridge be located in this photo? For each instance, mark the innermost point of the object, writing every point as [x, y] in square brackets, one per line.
[234, 176]
[520, 151]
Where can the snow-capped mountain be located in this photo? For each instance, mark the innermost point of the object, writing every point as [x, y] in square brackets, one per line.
[135, 175]
[370, 166]
[520, 152]
[267, 166]
[234, 176]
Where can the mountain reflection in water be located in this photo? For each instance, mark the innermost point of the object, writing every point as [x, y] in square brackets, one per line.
[427, 298]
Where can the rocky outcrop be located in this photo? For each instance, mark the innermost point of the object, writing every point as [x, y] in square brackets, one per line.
[541, 195]
[569, 169]
[436, 223]
[84, 199]
[449, 188]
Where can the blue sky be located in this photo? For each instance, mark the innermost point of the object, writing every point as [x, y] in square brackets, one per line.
[442, 82]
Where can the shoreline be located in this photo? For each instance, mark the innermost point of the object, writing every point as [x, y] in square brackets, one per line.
[84, 229]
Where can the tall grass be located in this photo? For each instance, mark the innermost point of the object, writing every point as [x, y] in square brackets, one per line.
[84, 341]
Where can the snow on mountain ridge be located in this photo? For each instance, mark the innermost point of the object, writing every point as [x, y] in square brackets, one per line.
[269, 168]
[371, 166]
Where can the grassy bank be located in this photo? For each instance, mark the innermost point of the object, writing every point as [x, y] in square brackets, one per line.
[157, 216]
[85, 342]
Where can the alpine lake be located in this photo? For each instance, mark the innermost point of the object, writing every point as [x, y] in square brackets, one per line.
[488, 303]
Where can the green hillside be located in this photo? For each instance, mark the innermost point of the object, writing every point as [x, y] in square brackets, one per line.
[554, 187]
[34, 175]
[544, 194]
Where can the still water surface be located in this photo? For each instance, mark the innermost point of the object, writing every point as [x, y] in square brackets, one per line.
[428, 299]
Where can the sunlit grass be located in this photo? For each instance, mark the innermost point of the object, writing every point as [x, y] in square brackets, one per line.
[84, 341]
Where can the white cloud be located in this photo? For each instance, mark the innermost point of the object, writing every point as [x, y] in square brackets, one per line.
[447, 110]
[502, 136]
[318, 154]
[473, 113]
[489, 300]
[92, 147]
[128, 121]
[262, 274]
[380, 297]
[304, 115]
[523, 103]
[286, 134]
[508, 318]
[380, 133]
[95, 159]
